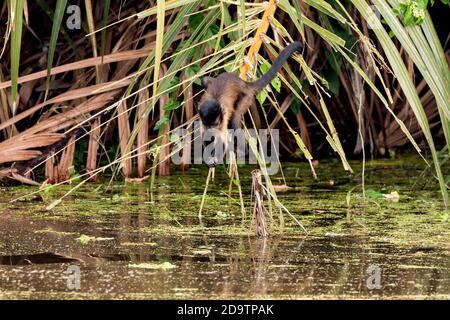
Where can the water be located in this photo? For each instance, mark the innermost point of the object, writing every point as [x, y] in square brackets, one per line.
[126, 246]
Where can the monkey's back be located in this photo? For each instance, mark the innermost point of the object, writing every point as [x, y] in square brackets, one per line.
[226, 85]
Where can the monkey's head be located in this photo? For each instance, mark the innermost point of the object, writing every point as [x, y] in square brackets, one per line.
[210, 111]
[211, 115]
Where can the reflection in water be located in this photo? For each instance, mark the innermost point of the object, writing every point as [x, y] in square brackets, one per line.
[222, 258]
[218, 266]
[38, 258]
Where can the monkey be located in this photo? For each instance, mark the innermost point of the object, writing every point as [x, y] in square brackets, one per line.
[227, 98]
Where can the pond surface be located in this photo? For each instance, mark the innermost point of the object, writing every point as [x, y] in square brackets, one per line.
[129, 242]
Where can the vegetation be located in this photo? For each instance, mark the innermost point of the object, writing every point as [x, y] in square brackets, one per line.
[108, 96]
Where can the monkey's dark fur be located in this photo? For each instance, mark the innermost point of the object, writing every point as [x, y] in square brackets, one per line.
[228, 97]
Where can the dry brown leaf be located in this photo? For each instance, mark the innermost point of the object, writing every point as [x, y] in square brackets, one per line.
[91, 62]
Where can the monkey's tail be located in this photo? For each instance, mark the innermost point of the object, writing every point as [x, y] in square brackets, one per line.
[262, 82]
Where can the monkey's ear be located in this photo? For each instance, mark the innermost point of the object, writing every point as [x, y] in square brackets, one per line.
[206, 81]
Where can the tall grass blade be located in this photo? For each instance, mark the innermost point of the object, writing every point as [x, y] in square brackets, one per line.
[16, 8]
[57, 20]
[160, 17]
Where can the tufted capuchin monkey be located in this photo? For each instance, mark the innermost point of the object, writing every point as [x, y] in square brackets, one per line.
[228, 97]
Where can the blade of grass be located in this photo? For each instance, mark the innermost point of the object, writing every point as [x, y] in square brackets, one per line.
[160, 18]
[91, 26]
[57, 20]
[16, 8]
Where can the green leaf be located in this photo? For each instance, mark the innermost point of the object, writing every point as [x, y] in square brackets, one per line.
[16, 42]
[210, 3]
[171, 105]
[57, 20]
[261, 96]
[374, 195]
[195, 20]
[159, 45]
[212, 31]
[192, 72]
[264, 67]
[175, 81]
[162, 123]
[276, 84]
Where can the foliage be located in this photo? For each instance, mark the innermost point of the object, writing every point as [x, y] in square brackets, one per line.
[413, 12]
